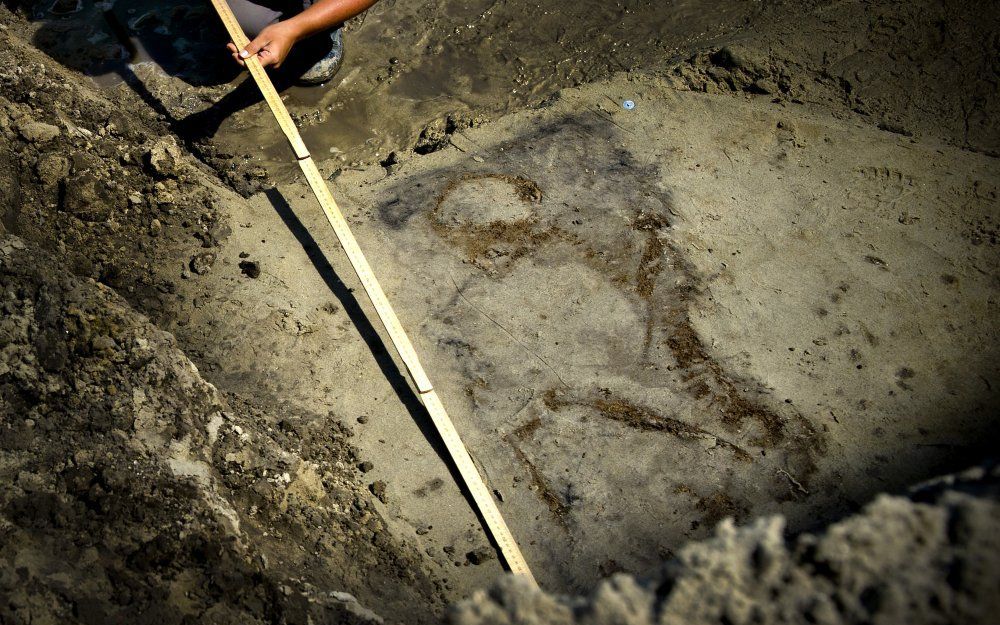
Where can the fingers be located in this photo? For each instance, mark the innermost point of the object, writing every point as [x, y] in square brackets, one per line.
[258, 47]
[235, 53]
[267, 58]
[254, 47]
[268, 49]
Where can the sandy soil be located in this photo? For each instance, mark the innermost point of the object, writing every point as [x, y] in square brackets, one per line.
[768, 288]
[751, 289]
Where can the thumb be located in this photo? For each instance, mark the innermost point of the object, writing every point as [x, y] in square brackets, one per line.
[253, 47]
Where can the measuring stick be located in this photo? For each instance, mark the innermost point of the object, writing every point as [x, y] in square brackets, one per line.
[495, 524]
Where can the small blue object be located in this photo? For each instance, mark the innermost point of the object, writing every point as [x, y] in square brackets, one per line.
[628, 105]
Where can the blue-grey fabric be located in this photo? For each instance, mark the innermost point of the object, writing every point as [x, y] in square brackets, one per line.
[255, 15]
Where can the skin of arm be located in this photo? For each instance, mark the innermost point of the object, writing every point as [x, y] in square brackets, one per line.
[273, 43]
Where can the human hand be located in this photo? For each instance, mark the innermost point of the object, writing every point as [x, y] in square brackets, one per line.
[271, 46]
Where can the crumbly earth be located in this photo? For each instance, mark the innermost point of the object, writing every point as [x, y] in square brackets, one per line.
[932, 558]
[136, 493]
[767, 288]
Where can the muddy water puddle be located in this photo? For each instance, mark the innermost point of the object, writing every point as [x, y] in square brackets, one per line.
[409, 62]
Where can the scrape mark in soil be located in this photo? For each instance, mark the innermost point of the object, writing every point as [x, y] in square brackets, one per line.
[556, 505]
[644, 419]
[650, 266]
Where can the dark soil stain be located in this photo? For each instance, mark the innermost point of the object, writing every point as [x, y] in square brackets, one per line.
[712, 385]
[669, 286]
[714, 507]
[429, 487]
[556, 504]
[709, 381]
[517, 237]
[642, 418]
[560, 509]
[668, 312]
[650, 265]
[717, 507]
[527, 431]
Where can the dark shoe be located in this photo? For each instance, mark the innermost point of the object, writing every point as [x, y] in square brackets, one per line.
[327, 67]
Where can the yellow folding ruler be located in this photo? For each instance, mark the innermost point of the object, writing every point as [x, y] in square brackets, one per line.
[495, 524]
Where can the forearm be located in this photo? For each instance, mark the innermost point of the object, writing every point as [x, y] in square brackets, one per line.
[325, 13]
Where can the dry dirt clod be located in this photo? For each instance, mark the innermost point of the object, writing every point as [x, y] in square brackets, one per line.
[52, 168]
[202, 263]
[379, 488]
[480, 555]
[38, 132]
[250, 268]
[165, 158]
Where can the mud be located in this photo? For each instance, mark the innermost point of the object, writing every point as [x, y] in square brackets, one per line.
[765, 289]
[417, 70]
